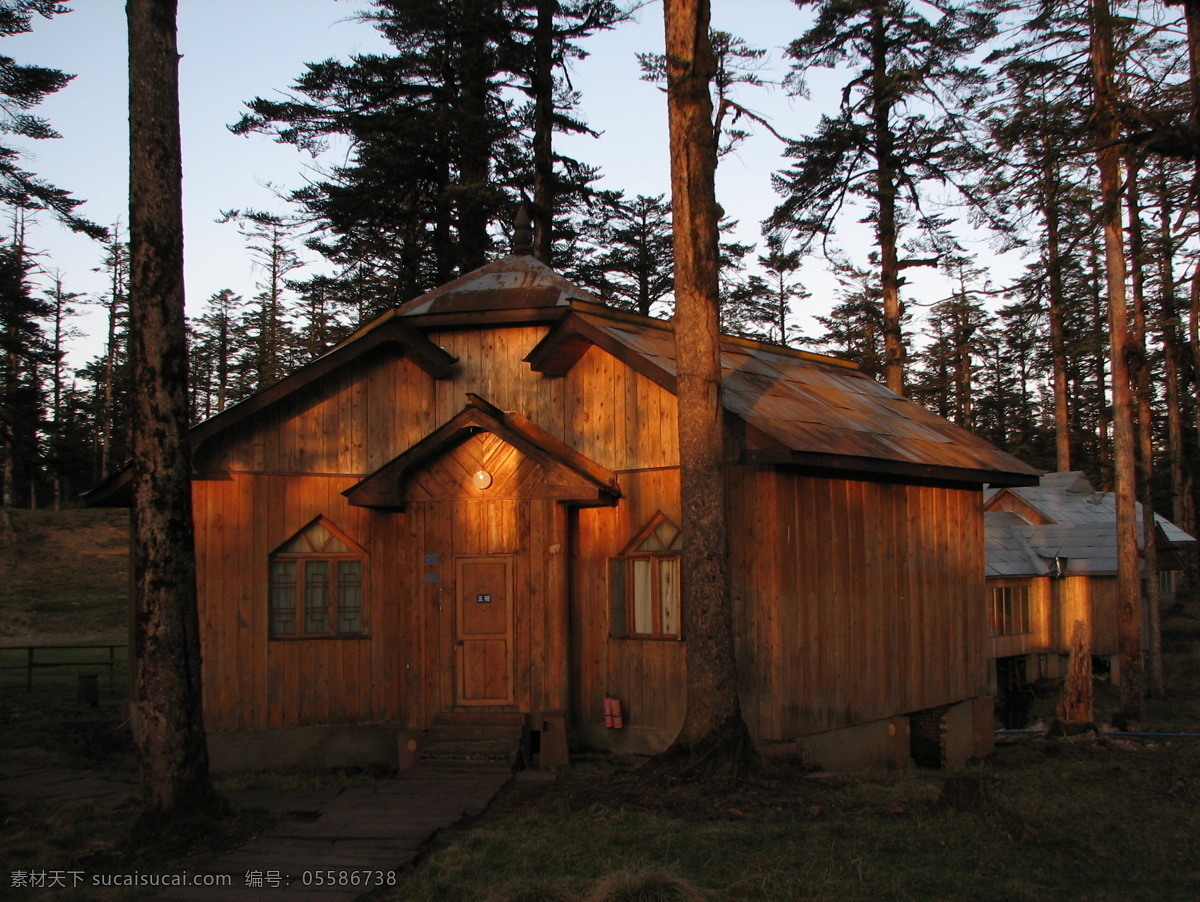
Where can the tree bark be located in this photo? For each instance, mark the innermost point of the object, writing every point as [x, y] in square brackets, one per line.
[1144, 427]
[1172, 344]
[1076, 704]
[1058, 343]
[713, 728]
[889, 263]
[543, 131]
[166, 645]
[1108, 157]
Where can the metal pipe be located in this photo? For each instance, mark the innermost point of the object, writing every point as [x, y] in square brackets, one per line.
[1105, 733]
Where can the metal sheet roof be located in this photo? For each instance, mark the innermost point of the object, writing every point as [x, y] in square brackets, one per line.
[1082, 531]
[814, 406]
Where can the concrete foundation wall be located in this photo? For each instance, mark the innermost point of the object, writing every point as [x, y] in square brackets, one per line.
[307, 748]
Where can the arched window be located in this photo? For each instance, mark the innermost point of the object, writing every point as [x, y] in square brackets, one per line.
[316, 584]
[644, 583]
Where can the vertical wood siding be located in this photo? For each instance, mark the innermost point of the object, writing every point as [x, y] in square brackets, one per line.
[855, 600]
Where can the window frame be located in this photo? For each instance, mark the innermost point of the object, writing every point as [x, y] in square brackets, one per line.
[624, 584]
[338, 577]
[1008, 612]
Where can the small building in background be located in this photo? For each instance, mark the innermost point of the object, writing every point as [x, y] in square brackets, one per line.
[1052, 560]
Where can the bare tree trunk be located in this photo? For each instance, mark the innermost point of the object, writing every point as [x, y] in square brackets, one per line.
[1172, 343]
[889, 262]
[1058, 343]
[1144, 422]
[1108, 156]
[713, 726]
[166, 642]
[1191, 9]
[1076, 705]
[543, 131]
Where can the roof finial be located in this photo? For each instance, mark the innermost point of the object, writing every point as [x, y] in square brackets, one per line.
[522, 242]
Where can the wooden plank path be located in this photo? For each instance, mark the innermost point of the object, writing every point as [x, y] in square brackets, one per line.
[322, 845]
[331, 845]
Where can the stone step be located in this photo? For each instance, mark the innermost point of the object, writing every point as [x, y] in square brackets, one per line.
[472, 742]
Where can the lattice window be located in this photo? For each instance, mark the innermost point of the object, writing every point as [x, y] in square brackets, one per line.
[316, 584]
[644, 583]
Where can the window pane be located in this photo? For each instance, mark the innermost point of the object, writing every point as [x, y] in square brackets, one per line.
[666, 533]
[642, 596]
[668, 595]
[283, 598]
[349, 596]
[650, 544]
[316, 596]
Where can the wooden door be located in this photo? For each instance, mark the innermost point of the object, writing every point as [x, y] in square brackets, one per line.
[483, 627]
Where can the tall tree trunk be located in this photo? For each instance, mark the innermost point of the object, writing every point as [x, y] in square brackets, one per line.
[475, 136]
[713, 724]
[1181, 489]
[1108, 157]
[1192, 14]
[885, 175]
[1144, 421]
[166, 641]
[543, 131]
[1058, 342]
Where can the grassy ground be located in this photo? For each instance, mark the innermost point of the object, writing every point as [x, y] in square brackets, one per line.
[1082, 818]
[64, 577]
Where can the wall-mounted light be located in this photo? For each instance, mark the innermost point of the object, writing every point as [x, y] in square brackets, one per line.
[482, 479]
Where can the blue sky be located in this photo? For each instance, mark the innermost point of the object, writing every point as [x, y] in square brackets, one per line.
[233, 50]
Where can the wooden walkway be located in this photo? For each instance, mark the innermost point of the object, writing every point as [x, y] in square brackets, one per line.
[328, 844]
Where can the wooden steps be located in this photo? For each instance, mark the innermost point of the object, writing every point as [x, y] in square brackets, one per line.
[494, 740]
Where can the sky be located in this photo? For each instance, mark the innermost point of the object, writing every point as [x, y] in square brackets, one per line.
[234, 50]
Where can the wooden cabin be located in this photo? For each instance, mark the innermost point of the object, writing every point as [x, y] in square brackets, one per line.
[470, 510]
[1052, 560]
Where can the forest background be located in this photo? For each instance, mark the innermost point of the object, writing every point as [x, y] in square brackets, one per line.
[942, 152]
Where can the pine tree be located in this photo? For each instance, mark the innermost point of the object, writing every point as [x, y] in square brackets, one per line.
[24, 353]
[627, 257]
[23, 87]
[896, 129]
[64, 462]
[713, 727]
[269, 237]
[439, 145]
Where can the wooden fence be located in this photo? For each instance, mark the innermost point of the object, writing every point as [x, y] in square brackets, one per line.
[67, 656]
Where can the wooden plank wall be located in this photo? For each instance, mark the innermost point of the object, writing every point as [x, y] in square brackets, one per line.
[251, 681]
[648, 675]
[1092, 598]
[851, 599]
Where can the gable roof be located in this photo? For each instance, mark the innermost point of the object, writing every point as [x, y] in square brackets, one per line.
[589, 483]
[1007, 551]
[1064, 518]
[1067, 499]
[800, 408]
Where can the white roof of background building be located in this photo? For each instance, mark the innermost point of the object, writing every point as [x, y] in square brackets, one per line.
[1081, 534]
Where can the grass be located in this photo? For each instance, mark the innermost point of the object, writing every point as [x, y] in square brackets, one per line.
[64, 577]
[1079, 819]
